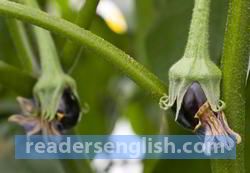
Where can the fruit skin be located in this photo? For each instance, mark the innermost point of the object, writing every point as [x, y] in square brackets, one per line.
[70, 109]
[197, 115]
[193, 99]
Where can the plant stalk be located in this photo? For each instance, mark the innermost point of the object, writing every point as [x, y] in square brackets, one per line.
[235, 63]
[247, 144]
[198, 38]
[50, 63]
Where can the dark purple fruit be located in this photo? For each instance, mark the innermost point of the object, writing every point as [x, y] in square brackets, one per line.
[192, 101]
[69, 109]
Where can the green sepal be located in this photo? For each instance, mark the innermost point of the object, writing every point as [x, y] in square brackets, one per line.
[48, 92]
[189, 70]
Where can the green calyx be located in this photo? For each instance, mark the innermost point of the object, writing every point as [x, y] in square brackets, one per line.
[195, 65]
[189, 70]
[48, 92]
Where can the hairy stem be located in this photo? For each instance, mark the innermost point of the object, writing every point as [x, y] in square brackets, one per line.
[247, 144]
[106, 50]
[50, 63]
[85, 16]
[235, 62]
[197, 45]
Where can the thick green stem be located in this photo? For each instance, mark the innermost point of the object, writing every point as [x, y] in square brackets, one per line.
[50, 63]
[24, 51]
[197, 45]
[20, 82]
[49, 59]
[247, 144]
[235, 62]
[87, 13]
[106, 50]
[84, 19]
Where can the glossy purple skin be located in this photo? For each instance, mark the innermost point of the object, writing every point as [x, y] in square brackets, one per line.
[70, 107]
[192, 101]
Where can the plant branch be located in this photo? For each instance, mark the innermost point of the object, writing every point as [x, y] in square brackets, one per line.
[84, 20]
[235, 62]
[247, 144]
[197, 45]
[48, 54]
[106, 50]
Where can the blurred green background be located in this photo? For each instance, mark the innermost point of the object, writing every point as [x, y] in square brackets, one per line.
[156, 35]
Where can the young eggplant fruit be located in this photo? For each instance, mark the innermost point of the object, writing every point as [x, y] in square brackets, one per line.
[194, 84]
[67, 116]
[196, 114]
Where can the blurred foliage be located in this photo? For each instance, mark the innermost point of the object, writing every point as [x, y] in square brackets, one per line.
[157, 41]
[9, 53]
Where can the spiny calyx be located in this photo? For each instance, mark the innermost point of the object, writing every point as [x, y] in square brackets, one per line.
[49, 90]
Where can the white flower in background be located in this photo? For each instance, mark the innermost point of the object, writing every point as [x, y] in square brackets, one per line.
[113, 16]
[110, 12]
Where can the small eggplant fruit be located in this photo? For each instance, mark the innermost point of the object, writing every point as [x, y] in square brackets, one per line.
[69, 110]
[67, 116]
[196, 114]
